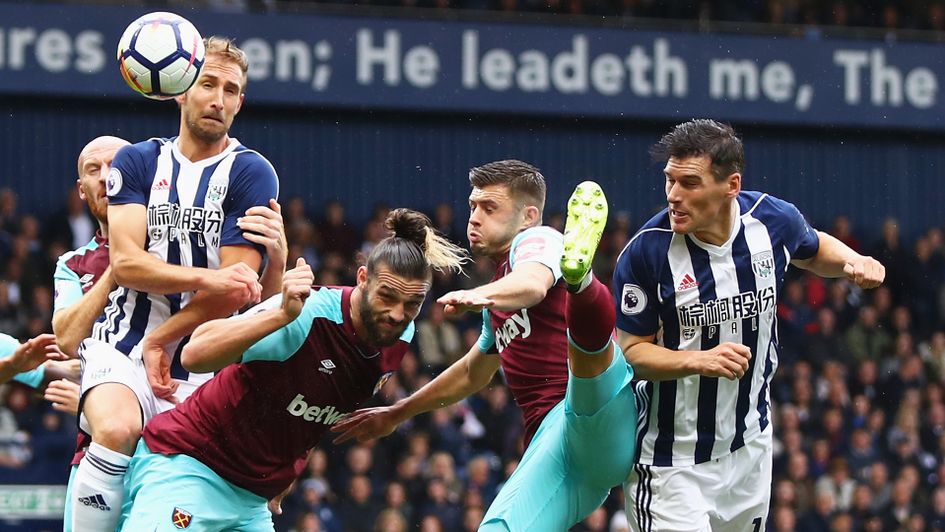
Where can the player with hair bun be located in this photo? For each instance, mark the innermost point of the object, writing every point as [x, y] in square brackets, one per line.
[291, 367]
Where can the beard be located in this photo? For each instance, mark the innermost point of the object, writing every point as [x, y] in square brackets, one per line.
[376, 336]
[203, 134]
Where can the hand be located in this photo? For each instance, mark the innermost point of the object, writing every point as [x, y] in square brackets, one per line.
[264, 226]
[64, 396]
[275, 503]
[460, 301]
[157, 364]
[366, 424]
[866, 272]
[67, 369]
[296, 286]
[30, 354]
[727, 360]
[237, 281]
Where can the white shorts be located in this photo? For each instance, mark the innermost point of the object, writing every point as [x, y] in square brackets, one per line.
[731, 493]
[102, 363]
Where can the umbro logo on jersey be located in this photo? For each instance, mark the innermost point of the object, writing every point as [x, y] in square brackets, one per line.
[161, 185]
[327, 366]
[96, 501]
[687, 283]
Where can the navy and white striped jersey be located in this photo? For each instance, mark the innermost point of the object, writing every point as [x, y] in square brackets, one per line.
[695, 295]
[192, 210]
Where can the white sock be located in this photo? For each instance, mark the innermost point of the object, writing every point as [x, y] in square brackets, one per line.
[99, 490]
[585, 282]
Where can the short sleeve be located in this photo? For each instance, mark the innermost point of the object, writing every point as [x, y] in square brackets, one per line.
[635, 291]
[254, 184]
[32, 378]
[126, 181]
[801, 239]
[66, 284]
[486, 340]
[538, 244]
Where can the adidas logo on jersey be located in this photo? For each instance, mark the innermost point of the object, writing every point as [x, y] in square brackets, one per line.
[687, 283]
[161, 185]
[96, 501]
[319, 414]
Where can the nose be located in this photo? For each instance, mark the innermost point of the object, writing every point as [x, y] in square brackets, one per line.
[672, 192]
[474, 218]
[397, 313]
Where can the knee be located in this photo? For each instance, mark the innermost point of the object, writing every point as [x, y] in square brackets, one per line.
[494, 525]
[117, 433]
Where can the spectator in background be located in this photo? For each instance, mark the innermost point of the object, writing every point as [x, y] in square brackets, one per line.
[439, 341]
[867, 339]
[338, 235]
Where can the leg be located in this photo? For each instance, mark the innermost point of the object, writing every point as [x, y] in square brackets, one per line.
[743, 504]
[541, 494]
[601, 416]
[590, 309]
[111, 413]
[67, 511]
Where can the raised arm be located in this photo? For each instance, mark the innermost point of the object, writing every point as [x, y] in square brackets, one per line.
[204, 306]
[218, 343]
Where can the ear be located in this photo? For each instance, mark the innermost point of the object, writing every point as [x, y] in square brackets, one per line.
[532, 216]
[78, 186]
[734, 185]
[362, 277]
[240, 105]
[181, 98]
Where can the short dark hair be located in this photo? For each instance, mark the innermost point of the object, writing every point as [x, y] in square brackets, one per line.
[521, 178]
[700, 137]
[414, 247]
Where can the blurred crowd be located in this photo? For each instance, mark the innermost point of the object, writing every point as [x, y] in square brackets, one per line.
[859, 396]
[885, 14]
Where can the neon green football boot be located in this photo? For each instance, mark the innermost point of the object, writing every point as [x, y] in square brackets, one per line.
[587, 217]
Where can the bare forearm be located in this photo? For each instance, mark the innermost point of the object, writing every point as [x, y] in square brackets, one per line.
[515, 291]
[144, 273]
[74, 323]
[221, 342]
[832, 255]
[8, 370]
[464, 378]
[202, 308]
[656, 363]
[271, 279]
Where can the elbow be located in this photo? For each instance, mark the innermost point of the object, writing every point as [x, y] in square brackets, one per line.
[535, 294]
[189, 357]
[121, 269]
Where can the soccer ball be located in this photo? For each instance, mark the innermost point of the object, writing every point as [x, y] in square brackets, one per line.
[160, 55]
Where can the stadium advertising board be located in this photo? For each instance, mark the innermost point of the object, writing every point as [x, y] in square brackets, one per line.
[456, 66]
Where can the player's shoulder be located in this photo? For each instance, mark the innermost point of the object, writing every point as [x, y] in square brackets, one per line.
[251, 161]
[656, 232]
[541, 232]
[762, 205]
[325, 302]
[146, 149]
[64, 259]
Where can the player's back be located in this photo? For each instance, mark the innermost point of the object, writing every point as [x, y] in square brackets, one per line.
[697, 295]
[532, 343]
[255, 421]
[191, 209]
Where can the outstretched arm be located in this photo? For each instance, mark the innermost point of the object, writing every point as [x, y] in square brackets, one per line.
[264, 226]
[836, 259]
[524, 287]
[465, 377]
[29, 355]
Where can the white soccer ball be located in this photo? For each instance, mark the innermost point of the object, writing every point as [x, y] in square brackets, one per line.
[160, 55]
